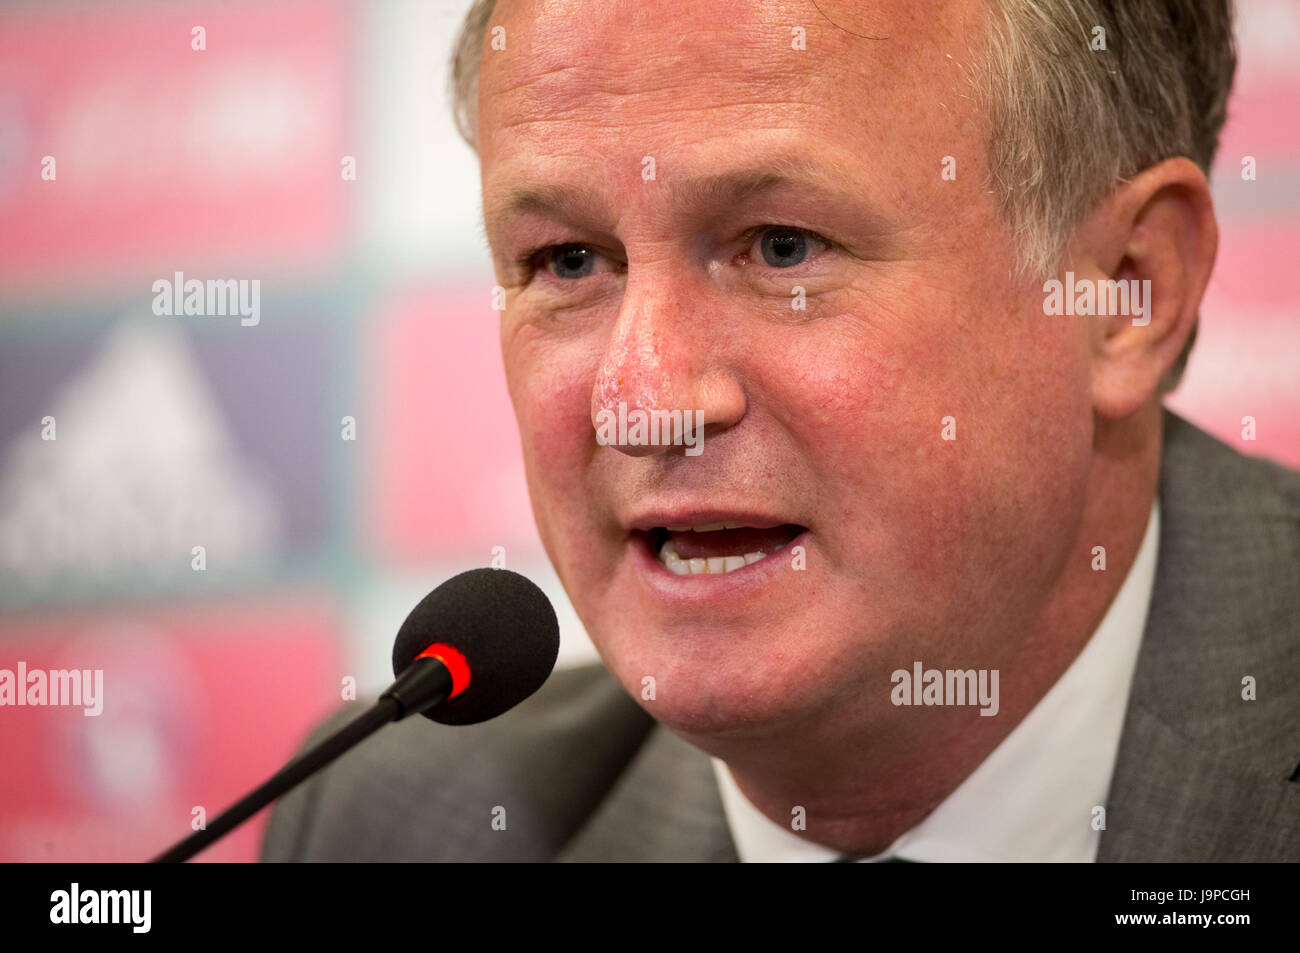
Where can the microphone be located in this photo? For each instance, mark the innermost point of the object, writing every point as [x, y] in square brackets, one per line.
[505, 631]
[472, 649]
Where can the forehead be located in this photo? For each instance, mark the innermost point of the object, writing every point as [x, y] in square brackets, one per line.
[607, 82]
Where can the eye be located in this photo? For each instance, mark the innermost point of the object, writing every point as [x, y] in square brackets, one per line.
[571, 261]
[784, 247]
[568, 262]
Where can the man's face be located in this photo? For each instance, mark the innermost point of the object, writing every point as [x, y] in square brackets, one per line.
[825, 426]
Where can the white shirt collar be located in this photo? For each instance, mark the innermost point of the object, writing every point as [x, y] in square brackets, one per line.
[1034, 797]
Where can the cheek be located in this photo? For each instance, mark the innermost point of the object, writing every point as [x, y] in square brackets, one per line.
[934, 433]
[550, 388]
[866, 421]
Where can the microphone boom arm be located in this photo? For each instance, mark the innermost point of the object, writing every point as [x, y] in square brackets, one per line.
[425, 684]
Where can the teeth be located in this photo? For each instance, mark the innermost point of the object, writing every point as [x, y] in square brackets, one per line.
[708, 527]
[714, 565]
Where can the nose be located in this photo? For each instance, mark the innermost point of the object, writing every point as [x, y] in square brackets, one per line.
[663, 364]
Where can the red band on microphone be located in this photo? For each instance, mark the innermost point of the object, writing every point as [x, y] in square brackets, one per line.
[455, 663]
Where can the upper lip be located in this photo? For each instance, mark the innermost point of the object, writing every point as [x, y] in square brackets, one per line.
[650, 519]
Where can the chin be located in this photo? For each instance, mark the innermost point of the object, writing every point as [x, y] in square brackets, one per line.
[715, 682]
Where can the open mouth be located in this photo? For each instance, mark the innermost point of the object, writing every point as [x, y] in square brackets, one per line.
[716, 548]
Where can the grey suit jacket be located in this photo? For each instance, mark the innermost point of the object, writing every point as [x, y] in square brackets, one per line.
[579, 772]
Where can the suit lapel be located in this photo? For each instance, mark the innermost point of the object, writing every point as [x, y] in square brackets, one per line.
[665, 807]
[1171, 800]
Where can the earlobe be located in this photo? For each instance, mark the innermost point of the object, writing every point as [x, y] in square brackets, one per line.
[1162, 237]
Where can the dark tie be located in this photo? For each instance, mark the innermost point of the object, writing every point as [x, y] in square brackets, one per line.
[850, 859]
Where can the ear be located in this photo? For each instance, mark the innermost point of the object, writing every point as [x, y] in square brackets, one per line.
[1157, 229]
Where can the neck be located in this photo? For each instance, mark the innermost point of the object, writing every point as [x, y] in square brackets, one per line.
[861, 785]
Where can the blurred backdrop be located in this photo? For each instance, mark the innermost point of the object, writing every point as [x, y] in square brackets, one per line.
[230, 515]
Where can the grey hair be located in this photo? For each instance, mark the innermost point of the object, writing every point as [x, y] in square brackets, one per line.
[1159, 89]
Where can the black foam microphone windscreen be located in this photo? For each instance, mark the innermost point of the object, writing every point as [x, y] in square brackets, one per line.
[504, 626]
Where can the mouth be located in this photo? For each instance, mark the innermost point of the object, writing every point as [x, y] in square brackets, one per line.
[715, 548]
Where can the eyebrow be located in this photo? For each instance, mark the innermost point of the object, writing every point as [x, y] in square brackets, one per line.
[715, 191]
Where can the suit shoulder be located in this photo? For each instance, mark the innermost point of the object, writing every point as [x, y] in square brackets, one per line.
[512, 788]
[1202, 472]
[1231, 528]
[1226, 602]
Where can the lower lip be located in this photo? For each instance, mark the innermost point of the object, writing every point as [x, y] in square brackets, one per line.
[703, 587]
